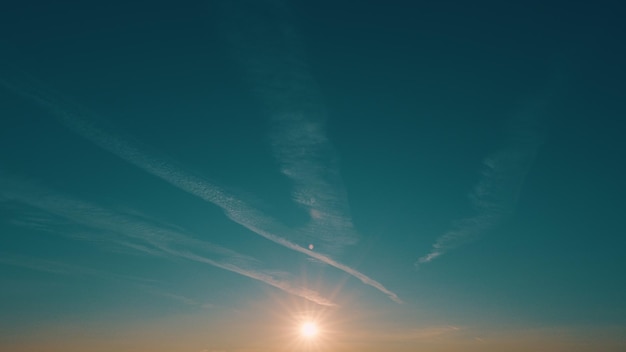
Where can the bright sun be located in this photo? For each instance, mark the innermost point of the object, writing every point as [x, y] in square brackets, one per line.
[308, 329]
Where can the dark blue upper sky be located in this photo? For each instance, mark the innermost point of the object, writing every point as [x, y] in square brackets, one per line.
[203, 176]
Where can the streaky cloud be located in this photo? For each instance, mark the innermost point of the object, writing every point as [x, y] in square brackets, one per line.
[153, 240]
[236, 209]
[327, 260]
[501, 180]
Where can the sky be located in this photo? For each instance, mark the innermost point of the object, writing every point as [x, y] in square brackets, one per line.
[207, 176]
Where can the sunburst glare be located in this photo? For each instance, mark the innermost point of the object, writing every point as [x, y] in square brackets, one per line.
[308, 329]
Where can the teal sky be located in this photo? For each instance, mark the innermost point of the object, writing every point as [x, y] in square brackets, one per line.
[205, 176]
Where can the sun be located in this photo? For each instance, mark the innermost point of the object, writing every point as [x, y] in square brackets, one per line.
[308, 329]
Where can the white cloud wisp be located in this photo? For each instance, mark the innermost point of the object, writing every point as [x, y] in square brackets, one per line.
[502, 177]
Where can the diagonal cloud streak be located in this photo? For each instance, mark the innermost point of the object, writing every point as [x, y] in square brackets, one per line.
[236, 209]
[502, 177]
[160, 241]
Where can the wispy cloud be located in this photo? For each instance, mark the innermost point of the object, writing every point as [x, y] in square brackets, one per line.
[501, 180]
[125, 230]
[307, 157]
[83, 123]
[275, 64]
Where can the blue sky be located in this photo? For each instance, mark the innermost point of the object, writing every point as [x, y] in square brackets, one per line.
[206, 176]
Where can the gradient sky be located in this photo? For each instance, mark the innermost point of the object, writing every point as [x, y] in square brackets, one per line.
[203, 176]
